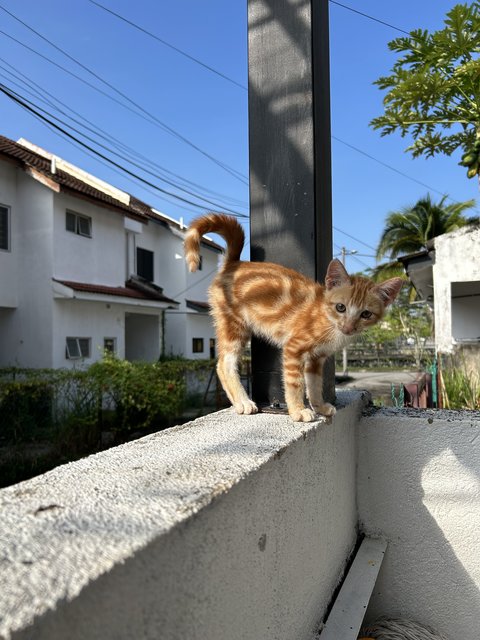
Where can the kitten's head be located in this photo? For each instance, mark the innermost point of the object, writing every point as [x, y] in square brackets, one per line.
[355, 303]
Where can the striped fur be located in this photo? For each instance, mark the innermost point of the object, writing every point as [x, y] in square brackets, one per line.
[307, 320]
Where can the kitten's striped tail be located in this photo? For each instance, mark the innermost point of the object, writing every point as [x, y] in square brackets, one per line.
[226, 226]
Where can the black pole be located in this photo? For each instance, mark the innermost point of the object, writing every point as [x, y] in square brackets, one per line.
[290, 168]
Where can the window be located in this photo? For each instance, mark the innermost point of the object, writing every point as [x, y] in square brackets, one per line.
[4, 228]
[197, 345]
[81, 225]
[77, 348]
[110, 345]
[145, 264]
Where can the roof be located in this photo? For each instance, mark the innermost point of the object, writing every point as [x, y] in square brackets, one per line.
[130, 290]
[67, 178]
[198, 306]
[419, 268]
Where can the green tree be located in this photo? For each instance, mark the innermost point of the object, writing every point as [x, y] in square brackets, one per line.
[411, 323]
[408, 230]
[433, 92]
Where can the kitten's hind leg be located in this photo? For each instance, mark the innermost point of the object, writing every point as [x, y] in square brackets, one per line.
[314, 383]
[227, 369]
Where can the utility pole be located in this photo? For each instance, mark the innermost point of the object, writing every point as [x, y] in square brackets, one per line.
[346, 252]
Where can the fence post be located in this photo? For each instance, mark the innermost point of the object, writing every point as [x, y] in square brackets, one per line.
[290, 168]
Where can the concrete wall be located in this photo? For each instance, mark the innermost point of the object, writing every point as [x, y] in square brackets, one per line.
[419, 486]
[225, 528]
[100, 259]
[27, 332]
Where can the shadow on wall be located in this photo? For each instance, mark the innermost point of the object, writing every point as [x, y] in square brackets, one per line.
[419, 485]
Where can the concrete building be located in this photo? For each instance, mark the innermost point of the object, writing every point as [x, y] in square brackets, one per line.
[86, 267]
[447, 275]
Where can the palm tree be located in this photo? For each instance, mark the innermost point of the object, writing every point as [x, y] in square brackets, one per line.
[408, 230]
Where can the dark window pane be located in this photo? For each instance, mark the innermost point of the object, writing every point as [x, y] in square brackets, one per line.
[71, 222]
[197, 345]
[145, 264]
[4, 232]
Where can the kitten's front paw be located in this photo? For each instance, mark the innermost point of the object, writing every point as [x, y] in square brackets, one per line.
[302, 415]
[325, 409]
[246, 407]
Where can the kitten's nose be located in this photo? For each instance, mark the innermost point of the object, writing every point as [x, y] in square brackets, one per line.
[348, 329]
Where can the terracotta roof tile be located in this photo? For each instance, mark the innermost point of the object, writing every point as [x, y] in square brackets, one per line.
[128, 291]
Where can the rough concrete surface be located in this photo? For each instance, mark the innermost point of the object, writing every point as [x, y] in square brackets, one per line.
[121, 545]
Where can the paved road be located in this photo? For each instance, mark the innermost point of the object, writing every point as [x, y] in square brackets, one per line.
[379, 383]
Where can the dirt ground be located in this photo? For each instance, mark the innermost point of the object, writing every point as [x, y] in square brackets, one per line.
[378, 383]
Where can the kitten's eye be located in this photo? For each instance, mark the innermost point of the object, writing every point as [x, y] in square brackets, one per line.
[341, 308]
[366, 314]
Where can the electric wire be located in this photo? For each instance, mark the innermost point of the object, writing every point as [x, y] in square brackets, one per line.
[40, 93]
[23, 104]
[26, 102]
[234, 172]
[168, 44]
[366, 15]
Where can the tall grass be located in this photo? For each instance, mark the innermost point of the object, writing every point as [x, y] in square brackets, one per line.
[460, 388]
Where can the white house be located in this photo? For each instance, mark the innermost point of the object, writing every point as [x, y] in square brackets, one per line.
[86, 267]
[447, 275]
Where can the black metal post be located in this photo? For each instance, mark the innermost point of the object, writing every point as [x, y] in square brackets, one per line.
[290, 170]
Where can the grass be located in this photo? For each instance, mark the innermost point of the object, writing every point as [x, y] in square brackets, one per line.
[460, 388]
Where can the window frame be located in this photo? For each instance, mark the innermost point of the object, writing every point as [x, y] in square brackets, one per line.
[78, 217]
[113, 350]
[198, 342]
[146, 252]
[7, 209]
[80, 352]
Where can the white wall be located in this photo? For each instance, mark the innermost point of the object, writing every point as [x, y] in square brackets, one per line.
[419, 486]
[183, 324]
[228, 528]
[9, 259]
[84, 319]
[100, 259]
[457, 259]
[466, 318]
[27, 334]
[142, 337]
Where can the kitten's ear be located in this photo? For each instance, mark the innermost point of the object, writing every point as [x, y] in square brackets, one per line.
[389, 290]
[336, 275]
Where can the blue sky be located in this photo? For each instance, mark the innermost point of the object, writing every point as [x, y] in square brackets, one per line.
[209, 111]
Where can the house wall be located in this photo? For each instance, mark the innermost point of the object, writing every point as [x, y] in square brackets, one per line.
[27, 332]
[9, 259]
[183, 324]
[85, 319]
[33, 325]
[457, 259]
[466, 318]
[101, 259]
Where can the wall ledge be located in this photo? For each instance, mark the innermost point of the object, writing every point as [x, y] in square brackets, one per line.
[63, 530]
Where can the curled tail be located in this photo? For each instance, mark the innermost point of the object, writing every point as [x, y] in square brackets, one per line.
[226, 226]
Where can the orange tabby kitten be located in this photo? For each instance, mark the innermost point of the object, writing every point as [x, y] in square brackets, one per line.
[307, 320]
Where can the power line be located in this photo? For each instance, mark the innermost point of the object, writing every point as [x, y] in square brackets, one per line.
[168, 44]
[366, 15]
[353, 238]
[100, 134]
[41, 92]
[22, 103]
[388, 166]
[234, 172]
